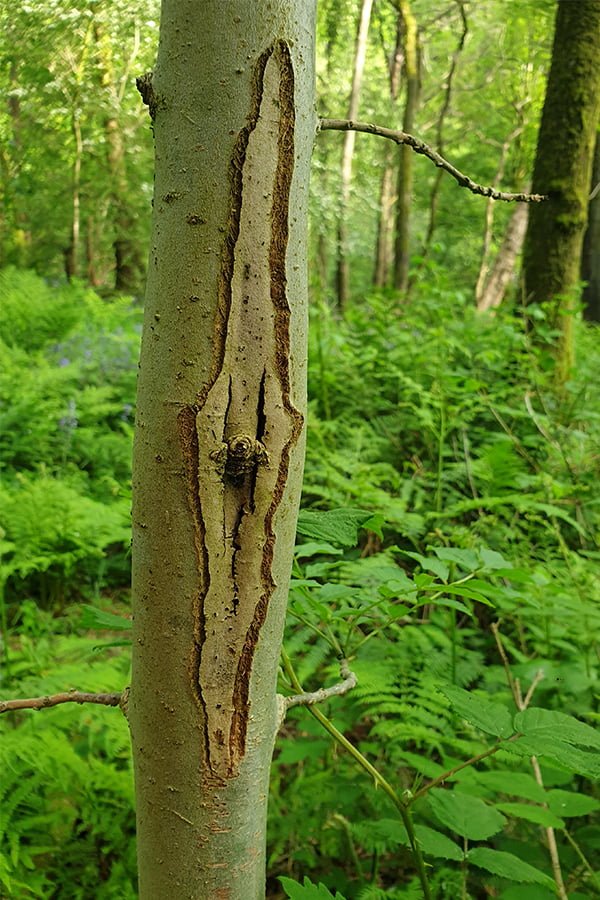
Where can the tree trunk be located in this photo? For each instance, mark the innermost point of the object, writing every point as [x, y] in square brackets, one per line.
[563, 168]
[405, 168]
[72, 252]
[127, 258]
[492, 291]
[343, 269]
[219, 439]
[590, 257]
[447, 89]
[387, 197]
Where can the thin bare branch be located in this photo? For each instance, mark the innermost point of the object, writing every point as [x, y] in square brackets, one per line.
[310, 698]
[55, 699]
[419, 146]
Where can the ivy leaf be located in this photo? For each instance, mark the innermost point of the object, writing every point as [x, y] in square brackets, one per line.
[491, 718]
[538, 814]
[308, 890]
[468, 816]
[507, 866]
[336, 526]
[434, 843]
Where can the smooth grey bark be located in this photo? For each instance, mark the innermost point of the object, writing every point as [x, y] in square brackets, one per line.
[219, 435]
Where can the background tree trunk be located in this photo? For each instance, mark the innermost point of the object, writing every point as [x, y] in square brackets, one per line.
[387, 199]
[492, 291]
[440, 146]
[127, 259]
[343, 269]
[219, 440]
[590, 257]
[405, 168]
[563, 167]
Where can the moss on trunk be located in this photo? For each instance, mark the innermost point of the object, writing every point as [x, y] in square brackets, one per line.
[563, 165]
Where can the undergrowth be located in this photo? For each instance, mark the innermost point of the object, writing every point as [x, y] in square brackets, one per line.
[448, 549]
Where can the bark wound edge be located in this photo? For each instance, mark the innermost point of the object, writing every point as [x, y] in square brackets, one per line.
[238, 437]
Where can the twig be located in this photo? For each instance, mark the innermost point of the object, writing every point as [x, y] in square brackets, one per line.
[310, 698]
[495, 626]
[419, 146]
[469, 762]
[401, 804]
[55, 699]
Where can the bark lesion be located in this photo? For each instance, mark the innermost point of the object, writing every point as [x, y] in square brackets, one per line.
[238, 437]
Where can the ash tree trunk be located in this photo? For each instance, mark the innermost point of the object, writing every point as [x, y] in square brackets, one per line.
[218, 452]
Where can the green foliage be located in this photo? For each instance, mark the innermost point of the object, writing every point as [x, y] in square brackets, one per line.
[67, 821]
[486, 482]
[67, 383]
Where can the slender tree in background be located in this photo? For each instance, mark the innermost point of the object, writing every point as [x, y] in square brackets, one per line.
[440, 143]
[590, 257]
[343, 271]
[495, 283]
[385, 222]
[563, 166]
[405, 162]
[219, 448]
[128, 262]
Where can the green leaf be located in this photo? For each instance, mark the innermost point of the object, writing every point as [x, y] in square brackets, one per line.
[98, 620]
[489, 717]
[567, 803]
[332, 593]
[525, 892]
[551, 725]
[434, 843]
[469, 593]
[492, 560]
[307, 891]
[466, 815]
[467, 559]
[515, 784]
[429, 564]
[447, 602]
[375, 524]
[538, 814]
[581, 761]
[507, 866]
[338, 526]
[314, 548]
